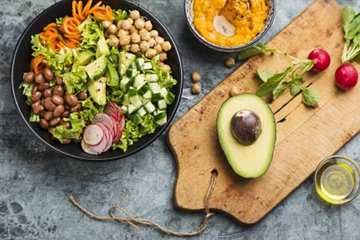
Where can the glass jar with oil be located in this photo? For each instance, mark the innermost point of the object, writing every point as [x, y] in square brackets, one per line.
[337, 179]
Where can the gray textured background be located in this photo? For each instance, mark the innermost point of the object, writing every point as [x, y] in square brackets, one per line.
[35, 183]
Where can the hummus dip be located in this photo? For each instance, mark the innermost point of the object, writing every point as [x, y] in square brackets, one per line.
[230, 23]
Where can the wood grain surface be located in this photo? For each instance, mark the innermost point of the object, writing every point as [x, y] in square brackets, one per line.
[305, 135]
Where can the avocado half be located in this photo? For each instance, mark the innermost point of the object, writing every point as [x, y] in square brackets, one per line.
[248, 161]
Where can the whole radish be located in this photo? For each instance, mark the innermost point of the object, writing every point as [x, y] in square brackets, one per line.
[321, 59]
[346, 76]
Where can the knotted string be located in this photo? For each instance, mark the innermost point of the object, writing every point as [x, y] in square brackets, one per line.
[133, 221]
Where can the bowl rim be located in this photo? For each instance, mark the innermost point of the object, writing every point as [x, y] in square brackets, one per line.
[350, 162]
[229, 49]
[98, 158]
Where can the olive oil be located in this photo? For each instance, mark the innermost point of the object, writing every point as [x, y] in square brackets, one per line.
[335, 182]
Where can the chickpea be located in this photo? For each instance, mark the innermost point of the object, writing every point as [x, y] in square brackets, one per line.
[166, 46]
[111, 36]
[150, 53]
[141, 31]
[148, 26]
[112, 29]
[127, 47]
[119, 24]
[152, 42]
[196, 77]
[135, 15]
[131, 21]
[114, 42]
[230, 62]
[163, 57]
[133, 29]
[122, 32]
[161, 64]
[135, 48]
[140, 23]
[125, 40]
[234, 91]
[144, 46]
[135, 38]
[154, 33]
[106, 24]
[126, 25]
[145, 36]
[159, 40]
[158, 48]
[196, 88]
[165, 68]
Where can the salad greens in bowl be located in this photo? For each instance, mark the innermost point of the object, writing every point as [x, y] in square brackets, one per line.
[96, 80]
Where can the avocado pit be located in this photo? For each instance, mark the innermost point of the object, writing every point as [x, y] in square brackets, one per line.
[246, 127]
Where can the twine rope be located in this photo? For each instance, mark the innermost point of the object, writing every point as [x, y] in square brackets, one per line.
[133, 221]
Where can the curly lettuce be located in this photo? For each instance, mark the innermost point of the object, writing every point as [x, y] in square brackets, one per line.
[77, 124]
[119, 15]
[27, 91]
[34, 117]
[91, 32]
[75, 81]
[90, 109]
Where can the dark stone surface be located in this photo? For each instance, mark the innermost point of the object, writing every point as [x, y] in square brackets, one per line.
[35, 183]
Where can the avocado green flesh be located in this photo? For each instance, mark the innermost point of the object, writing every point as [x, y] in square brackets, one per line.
[247, 161]
[97, 90]
[86, 57]
[97, 68]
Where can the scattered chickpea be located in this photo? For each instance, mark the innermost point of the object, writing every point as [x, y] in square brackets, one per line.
[111, 36]
[145, 36]
[163, 57]
[152, 42]
[112, 29]
[122, 32]
[165, 68]
[144, 46]
[161, 64]
[230, 62]
[106, 24]
[140, 23]
[135, 48]
[126, 25]
[114, 42]
[159, 40]
[135, 15]
[133, 30]
[234, 91]
[130, 20]
[119, 24]
[148, 26]
[126, 47]
[125, 40]
[135, 38]
[151, 53]
[196, 88]
[154, 33]
[141, 31]
[166, 46]
[158, 48]
[196, 77]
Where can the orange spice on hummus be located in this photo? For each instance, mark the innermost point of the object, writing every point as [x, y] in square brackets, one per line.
[230, 23]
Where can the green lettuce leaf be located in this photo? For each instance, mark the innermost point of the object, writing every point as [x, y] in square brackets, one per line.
[119, 15]
[90, 109]
[91, 32]
[75, 81]
[27, 91]
[77, 124]
[114, 95]
[34, 117]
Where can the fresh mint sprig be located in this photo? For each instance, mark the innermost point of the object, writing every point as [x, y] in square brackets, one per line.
[351, 25]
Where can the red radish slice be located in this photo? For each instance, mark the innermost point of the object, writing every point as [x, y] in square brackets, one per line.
[108, 133]
[111, 112]
[94, 150]
[122, 123]
[93, 135]
[102, 117]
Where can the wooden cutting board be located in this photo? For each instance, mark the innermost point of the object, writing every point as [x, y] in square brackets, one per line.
[305, 135]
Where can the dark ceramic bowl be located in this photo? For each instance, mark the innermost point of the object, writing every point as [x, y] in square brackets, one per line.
[20, 65]
[190, 21]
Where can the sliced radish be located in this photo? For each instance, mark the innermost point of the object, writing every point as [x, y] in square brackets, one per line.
[94, 150]
[109, 135]
[103, 117]
[93, 135]
[122, 123]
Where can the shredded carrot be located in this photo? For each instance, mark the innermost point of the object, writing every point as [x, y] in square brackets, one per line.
[36, 64]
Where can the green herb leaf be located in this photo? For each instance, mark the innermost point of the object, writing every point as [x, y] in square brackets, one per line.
[264, 76]
[253, 51]
[354, 28]
[295, 86]
[347, 14]
[279, 90]
[272, 83]
[310, 97]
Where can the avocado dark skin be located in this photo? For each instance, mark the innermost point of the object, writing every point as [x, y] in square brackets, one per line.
[246, 127]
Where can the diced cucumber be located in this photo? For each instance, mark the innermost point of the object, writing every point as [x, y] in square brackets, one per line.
[156, 97]
[154, 87]
[151, 77]
[139, 81]
[132, 92]
[149, 107]
[163, 92]
[146, 100]
[142, 112]
[134, 117]
[169, 98]
[125, 100]
[139, 63]
[143, 89]
[136, 101]
[162, 104]
[131, 72]
[160, 118]
[147, 66]
[125, 84]
[124, 109]
[148, 94]
[131, 109]
[125, 59]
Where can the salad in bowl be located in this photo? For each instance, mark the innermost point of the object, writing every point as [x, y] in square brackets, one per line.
[99, 78]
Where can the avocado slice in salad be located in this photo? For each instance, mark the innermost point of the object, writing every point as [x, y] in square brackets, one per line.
[96, 69]
[85, 57]
[97, 90]
[112, 76]
[102, 47]
[125, 59]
